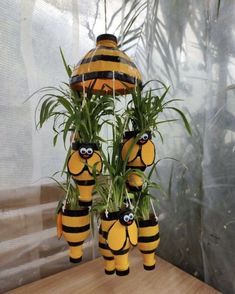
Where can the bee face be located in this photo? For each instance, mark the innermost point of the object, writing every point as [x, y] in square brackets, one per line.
[126, 218]
[143, 139]
[86, 152]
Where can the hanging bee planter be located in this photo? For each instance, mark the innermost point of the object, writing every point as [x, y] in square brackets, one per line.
[148, 241]
[110, 68]
[139, 155]
[84, 160]
[74, 225]
[118, 232]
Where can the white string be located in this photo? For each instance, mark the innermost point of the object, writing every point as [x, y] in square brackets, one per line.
[109, 195]
[153, 209]
[135, 84]
[129, 201]
[114, 100]
[83, 90]
[66, 196]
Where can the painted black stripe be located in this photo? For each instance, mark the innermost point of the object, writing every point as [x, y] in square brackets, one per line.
[106, 37]
[149, 267]
[105, 235]
[103, 246]
[104, 75]
[108, 257]
[147, 251]
[109, 272]
[67, 229]
[75, 260]
[84, 203]
[148, 239]
[74, 213]
[134, 188]
[111, 215]
[75, 243]
[76, 145]
[122, 273]
[120, 252]
[111, 58]
[142, 168]
[147, 223]
[84, 183]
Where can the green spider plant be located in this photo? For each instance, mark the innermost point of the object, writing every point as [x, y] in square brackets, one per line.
[144, 108]
[71, 112]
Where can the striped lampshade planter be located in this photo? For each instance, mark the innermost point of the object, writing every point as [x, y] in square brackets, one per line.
[108, 66]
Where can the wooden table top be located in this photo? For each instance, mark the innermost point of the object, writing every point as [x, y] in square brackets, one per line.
[90, 278]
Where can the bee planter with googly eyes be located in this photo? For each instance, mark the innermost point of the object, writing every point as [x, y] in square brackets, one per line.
[148, 241]
[118, 233]
[139, 153]
[84, 160]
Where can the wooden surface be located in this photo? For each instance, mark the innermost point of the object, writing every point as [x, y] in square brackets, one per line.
[90, 278]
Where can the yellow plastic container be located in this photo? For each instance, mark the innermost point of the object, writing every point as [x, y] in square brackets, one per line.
[148, 241]
[83, 159]
[102, 64]
[75, 229]
[140, 155]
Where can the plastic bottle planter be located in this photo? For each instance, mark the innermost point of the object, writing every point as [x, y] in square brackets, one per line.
[76, 229]
[84, 158]
[101, 65]
[148, 241]
[118, 233]
[141, 155]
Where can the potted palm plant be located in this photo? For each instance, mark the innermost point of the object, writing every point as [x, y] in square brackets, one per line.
[142, 113]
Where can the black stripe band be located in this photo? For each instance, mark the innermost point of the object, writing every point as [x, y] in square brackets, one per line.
[75, 243]
[147, 223]
[120, 252]
[67, 229]
[84, 203]
[147, 251]
[122, 273]
[148, 239]
[108, 257]
[74, 213]
[142, 168]
[105, 235]
[103, 246]
[105, 75]
[75, 260]
[111, 58]
[84, 183]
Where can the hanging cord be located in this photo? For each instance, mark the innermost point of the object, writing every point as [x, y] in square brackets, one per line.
[66, 196]
[153, 209]
[105, 16]
[109, 196]
[122, 21]
[129, 204]
[137, 203]
[114, 101]
[83, 91]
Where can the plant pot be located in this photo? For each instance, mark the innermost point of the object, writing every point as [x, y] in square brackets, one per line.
[81, 166]
[148, 241]
[76, 229]
[116, 240]
[141, 154]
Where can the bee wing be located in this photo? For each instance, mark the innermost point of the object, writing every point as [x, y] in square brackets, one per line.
[126, 147]
[148, 153]
[75, 164]
[116, 238]
[133, 233]
[95, 160]
[59, 225]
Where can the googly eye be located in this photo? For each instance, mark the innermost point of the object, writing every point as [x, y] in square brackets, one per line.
[126, 218]
[89, 151]
[83, 150]
[144, 137]
[131, 216]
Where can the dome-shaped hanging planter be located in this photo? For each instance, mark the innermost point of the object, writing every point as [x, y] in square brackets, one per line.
[106, 67]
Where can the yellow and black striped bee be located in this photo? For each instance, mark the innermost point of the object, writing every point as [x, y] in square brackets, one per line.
[84, 159]
[121, 235]
[141, 155]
